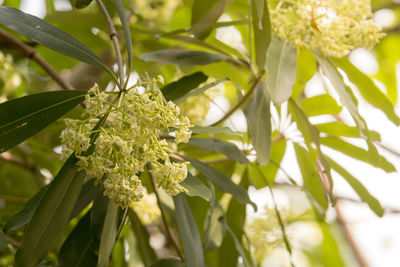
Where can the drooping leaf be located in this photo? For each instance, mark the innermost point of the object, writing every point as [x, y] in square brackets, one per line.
[47, 35]
[79, 249]
[51, 215]
[108, 235]
[219, 146]
[184, 85]
[356, 152]
[23, 217]
[196, 187]
[214, 229]
[258, 116]
[204, 15]
[80, 3]
[127, 31]
[88, 192]
[189, 234]
[222, 182]
[365, 196]
[23, 117]
[281, 69]
[200, 89]
[146, 252]
[310, 176]
[98, 214]
[183, 57]
[343, 130]
[369, 91]
[306, 68]
[320, 105]
[168, 263]
[262, 31]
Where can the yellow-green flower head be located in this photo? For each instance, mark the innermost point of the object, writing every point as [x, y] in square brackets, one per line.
[335, 27]
[129, 141]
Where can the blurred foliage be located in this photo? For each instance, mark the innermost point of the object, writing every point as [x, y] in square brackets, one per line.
[211, 64]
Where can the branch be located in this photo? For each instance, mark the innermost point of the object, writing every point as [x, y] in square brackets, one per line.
[31, 53]
[114, 39]
[164, 219]
[242, 101]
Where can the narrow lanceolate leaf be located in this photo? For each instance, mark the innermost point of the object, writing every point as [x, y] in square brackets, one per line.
[356, 152]
[47, 35]
[201, 89]
[196, 188]
[214, 130]
[343, 130]
[222, 182]
[216, 145]
[183, 57]
[189, 233]
[108, 235]
[23, 117]
[320, 105]
[311, 180]
[281, 69]
[365, 196]
[51, 215]
[87, 194]
[348, 100]
[183, 86]
[369, 91]
[23, 217]
[80, 3]
[127, 31]
[146, 252]
[262, 31]
[79, 249]
[258, 117]
[204, 15]
[214, 229]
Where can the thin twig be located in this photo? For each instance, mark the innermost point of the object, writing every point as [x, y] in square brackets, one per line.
[164, 219]
[30, 52]
[242, 101]
[347, 232]
[114, 39]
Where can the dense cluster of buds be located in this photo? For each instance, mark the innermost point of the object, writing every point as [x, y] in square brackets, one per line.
[333, 27]
[129, 140]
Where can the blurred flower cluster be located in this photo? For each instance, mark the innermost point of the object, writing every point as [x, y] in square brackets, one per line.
[155, 11]
[333, 27]
[129, 140]
[10, 77]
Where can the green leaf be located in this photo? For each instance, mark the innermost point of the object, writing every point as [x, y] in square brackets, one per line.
[319, 105]
[281, 69]
[87, 194]
[183, 86]
[214, 229]
[196, 188]
[47, 35]
[343, 130]
[258, 117]
[80, 3]
[369, 91]
[189, 234]
[79, 249]
[306, 68]
[108, 235]
[365, 196]
[23, 217]
[51, 215]
[168, 263]
[183, 57]
[311, 180]
[214, 130]
[222, 182]
[23, 117]
[98, 214]
[262, 30]
[204, 15]
[219, 146]
[146, 252]
[127, 31]
[356, 152]
[200, 90]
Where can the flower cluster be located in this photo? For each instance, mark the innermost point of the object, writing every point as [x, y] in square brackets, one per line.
[333, 27]
[129, 141]
[11, 78]
[156, 11]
